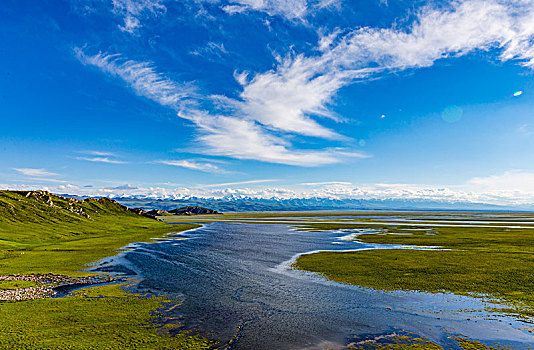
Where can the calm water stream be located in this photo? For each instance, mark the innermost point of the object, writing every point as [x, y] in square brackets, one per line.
[233, 281]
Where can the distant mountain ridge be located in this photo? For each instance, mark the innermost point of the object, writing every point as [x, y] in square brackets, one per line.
[240, 203]
[301, 204]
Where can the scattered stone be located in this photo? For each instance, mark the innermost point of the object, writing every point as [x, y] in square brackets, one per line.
[50, 283]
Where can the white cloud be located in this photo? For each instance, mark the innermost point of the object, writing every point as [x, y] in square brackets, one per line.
[463, 27]
[498, 190]
[289, 98]
[68, 188]
[301, 87]
[238, 183]
[98, 153]
[211, 50]
[325, 183]
[234, 136]
[243, 139]
[284, 99]
[34, 172]
[509, 181]
[133, 10]
[191, 164]
[141, 76]
[290, 9]
[101, 160]
[455, 30]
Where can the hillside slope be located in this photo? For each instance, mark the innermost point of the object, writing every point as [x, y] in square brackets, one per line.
[28, 217]
[43, 232]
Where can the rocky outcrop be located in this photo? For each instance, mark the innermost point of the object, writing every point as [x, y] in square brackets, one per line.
[193, 210]
[158, 212]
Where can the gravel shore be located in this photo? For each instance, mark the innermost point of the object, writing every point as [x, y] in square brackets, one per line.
[48, 283]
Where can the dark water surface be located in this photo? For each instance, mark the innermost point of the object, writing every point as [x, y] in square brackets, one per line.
[234, 283]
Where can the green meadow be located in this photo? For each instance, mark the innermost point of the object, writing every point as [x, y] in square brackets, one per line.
[497, 262]
[44, 233]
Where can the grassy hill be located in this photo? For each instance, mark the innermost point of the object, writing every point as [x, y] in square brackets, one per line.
[42, 232]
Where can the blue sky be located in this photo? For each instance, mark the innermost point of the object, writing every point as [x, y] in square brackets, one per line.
[269, 98]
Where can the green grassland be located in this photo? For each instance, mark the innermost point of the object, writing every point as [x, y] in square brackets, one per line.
[5, 285]
[494, 261]
[44, 233]
[321, 219]
[104, 317]
[406, 342]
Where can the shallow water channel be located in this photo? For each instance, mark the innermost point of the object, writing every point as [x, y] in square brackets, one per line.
[236, 288]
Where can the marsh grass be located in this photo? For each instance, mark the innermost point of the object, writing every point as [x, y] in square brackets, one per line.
[103, 317]
[479, 261]
[5, 285]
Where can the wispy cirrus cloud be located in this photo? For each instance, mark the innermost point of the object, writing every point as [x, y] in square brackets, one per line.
[244, 139]
[99, 157]
[293, 10]
[212, 50]
[285, 98]
[325, 183]
[290, 9]
[101, 160]
[440, 32]
[35, 172]
[132, 12]
[142, 77]
[303, 86]
[193, 165]
[235, 136]
[98, 153]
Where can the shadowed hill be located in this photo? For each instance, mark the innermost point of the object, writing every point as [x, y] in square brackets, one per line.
[193, 210]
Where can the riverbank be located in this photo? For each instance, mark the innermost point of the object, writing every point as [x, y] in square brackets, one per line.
[95, 317]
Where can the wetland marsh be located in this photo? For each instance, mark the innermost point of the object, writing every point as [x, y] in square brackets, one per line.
[317, 280]
[241, 283]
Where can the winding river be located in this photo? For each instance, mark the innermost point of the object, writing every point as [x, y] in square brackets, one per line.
[235, 287]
